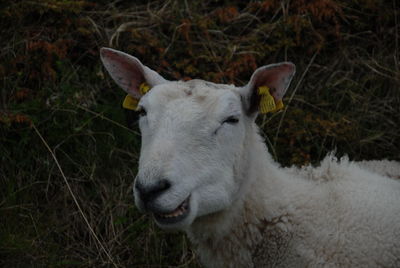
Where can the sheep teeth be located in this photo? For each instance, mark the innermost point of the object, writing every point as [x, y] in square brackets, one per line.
[177, 212]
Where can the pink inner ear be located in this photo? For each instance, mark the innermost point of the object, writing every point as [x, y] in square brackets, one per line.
[277, 78]
[126, 72]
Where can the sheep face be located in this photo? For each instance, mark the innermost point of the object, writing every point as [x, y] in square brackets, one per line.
[193, 137]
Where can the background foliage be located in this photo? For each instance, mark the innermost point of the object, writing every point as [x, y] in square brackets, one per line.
[54, 92]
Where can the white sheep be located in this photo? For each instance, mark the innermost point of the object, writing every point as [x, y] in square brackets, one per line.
[205, 169]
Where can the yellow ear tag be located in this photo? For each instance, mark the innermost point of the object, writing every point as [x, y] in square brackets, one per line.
[130, 102]
[267, 102]
[144, 88]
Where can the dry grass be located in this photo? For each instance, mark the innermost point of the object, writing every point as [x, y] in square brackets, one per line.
[68, 158]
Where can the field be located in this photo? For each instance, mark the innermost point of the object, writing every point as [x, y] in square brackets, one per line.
[68, 151]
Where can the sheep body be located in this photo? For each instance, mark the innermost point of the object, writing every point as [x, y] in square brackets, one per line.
[383, 167]
[334, 215]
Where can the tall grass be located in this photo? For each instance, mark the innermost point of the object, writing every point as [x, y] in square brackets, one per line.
[68, 159]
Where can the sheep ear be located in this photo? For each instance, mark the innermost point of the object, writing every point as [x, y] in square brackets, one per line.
[266, 87]
[128, 72]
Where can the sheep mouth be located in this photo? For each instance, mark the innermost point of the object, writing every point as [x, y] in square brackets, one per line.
[174, 216]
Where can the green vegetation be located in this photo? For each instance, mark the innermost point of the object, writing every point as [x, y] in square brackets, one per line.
[54, 92]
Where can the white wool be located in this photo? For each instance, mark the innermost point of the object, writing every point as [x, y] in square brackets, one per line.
[335, 215]
[383, 167]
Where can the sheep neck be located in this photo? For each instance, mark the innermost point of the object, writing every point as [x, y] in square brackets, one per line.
[233, 234]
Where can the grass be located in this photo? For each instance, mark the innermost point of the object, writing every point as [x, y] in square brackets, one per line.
[68, 158]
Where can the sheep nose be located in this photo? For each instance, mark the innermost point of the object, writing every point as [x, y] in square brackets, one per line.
[149, 192]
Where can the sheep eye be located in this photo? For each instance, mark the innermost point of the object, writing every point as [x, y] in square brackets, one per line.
[231, 120]
[141, 111]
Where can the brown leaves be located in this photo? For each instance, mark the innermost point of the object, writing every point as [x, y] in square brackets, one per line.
[241, 64]
[9, 118]
[319, 10]
[22, 94]
[49, 53]
[226, 14]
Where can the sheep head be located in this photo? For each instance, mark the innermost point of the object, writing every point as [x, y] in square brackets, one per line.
[193, 137]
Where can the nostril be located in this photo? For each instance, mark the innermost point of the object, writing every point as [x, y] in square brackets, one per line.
[163, 185]
[150, 192]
